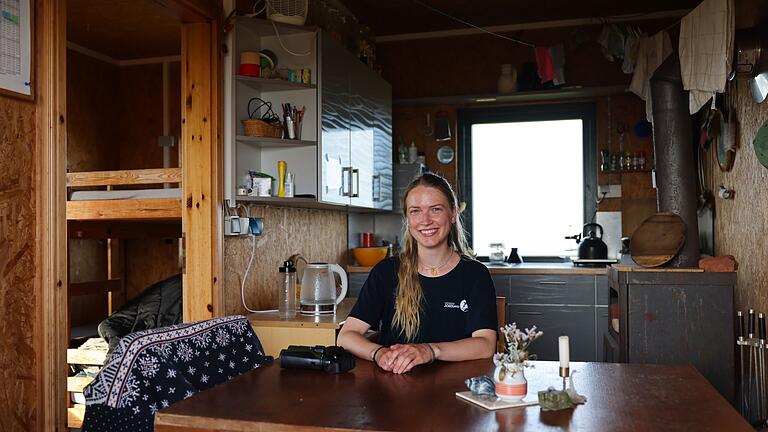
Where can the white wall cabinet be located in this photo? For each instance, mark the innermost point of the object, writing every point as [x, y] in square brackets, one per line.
[344, 156]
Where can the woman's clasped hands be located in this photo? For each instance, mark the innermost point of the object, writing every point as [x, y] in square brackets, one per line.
[401, 358]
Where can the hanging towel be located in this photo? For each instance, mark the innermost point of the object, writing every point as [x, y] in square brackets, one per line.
[651, 52]
[557, 54]
[706, 48]
[544, 64]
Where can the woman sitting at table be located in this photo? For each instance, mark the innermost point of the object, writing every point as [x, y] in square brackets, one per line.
[432, 302]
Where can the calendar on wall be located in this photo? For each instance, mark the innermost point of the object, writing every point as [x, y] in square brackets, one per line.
[16, 47]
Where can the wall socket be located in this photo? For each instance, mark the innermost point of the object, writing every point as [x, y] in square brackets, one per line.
[610, 191]
[237, 225]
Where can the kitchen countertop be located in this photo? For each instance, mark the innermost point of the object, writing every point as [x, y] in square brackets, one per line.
[275, 319]
[525, 268]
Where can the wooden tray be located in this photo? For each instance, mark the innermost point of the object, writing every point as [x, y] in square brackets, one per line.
[657, 240]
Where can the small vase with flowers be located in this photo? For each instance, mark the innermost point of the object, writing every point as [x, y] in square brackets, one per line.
[509, 375]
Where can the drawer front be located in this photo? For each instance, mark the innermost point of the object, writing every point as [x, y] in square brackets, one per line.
[502, 284]
[602, 290]
[552, 289]
[577, 322]
[356, 281]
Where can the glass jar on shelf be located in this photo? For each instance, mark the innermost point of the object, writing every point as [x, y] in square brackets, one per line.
[497, 253]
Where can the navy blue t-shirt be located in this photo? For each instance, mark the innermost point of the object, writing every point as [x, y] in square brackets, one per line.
[454, 306]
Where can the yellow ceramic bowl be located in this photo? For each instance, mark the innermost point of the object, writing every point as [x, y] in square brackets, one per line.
[370, 256]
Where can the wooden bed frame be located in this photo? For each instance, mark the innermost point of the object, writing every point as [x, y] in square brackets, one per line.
[115, 221]
[124, 209]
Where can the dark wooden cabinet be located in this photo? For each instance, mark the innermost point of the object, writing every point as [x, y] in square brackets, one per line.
[676, 317]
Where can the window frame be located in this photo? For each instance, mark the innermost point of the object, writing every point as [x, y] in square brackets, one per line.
[529, 113]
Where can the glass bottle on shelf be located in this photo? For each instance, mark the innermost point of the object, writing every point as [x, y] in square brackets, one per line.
[641, 160]
[605, 160]
[635, 159]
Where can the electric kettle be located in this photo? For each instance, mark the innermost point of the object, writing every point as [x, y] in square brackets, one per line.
[318, 289]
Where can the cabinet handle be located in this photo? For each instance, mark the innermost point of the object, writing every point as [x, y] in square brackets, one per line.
[528, 313]
[346, 180]
[551, 282]
[376, 180]
[356, 182]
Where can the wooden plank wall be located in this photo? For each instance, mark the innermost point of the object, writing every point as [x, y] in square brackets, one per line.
[116, 118]
[318, 235]
[93, 105]
[140, 123]
[18, 248]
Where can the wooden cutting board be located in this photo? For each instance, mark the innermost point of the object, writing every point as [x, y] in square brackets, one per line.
[657, 240]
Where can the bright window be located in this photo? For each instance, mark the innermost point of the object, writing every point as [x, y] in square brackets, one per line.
[527, 186]
[528, 176]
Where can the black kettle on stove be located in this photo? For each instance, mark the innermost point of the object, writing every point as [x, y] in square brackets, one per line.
[592, 246]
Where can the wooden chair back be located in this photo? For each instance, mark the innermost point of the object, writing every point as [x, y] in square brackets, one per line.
[501, 316]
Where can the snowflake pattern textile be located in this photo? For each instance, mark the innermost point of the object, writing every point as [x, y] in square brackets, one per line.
[150, 370]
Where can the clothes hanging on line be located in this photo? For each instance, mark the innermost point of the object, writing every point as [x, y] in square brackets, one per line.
[651, 52]
[706, 50]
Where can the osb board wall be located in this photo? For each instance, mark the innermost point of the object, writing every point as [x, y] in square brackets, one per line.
[318, 235]
[18, 302]
[741, 224]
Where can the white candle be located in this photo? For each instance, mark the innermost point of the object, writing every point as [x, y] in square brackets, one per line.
[564, 351]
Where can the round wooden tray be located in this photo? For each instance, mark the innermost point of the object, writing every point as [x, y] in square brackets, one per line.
[657, 240]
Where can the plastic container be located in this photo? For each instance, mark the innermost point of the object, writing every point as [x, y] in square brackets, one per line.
[287, 296]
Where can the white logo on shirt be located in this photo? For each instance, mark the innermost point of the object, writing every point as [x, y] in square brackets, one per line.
[451, 305]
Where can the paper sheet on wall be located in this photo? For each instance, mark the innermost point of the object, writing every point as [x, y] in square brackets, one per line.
[15, 46]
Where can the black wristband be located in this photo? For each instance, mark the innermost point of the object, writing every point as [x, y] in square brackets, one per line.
[373, 357]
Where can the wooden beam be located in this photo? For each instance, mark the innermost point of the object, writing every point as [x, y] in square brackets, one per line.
[124, 177]
[152, 208]
[50, 203]
[95, 287]
[201, 168]
[104, 229]
[191, 11]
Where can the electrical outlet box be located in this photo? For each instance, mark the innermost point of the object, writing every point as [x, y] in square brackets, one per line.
[610, 191]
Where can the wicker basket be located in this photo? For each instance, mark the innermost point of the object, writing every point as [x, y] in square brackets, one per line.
[259, 128]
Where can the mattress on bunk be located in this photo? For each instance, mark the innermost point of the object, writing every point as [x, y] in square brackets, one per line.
[125, 194]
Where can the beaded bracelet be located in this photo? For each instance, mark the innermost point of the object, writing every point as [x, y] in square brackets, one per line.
[431, 351]
[373, 357]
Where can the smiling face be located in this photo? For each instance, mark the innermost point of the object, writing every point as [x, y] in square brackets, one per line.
[430, 216]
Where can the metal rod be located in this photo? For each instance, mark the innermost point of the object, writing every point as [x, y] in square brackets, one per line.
[740, 343]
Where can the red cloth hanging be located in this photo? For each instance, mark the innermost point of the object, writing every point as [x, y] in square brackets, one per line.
[544, 64]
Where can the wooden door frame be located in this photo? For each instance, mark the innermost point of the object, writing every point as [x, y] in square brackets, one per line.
[50, 196]
[50, 205]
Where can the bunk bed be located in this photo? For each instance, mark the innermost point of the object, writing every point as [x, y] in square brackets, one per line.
[114, 206]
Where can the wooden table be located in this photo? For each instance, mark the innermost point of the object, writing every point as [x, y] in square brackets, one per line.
[621, 397]
[276, 331]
